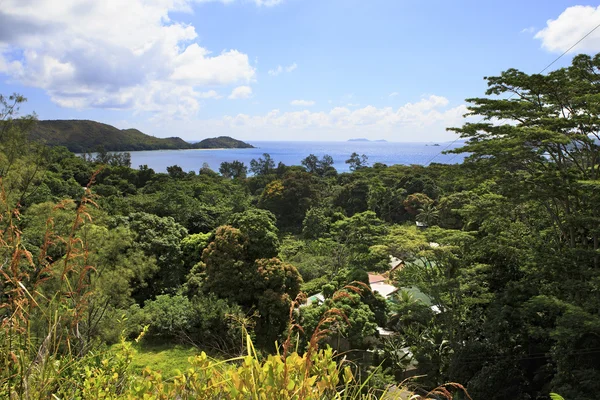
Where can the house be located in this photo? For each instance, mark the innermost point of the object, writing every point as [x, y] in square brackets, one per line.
[417, 295]
[378, 284]
[384, 289]
[396, 264]
[314, 299]
[376, 278]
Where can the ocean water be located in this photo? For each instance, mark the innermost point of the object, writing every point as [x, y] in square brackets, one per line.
[291, 153]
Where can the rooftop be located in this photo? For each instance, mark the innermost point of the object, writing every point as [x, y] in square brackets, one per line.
[376, 278]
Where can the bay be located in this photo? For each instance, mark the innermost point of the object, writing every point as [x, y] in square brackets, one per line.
[292, 153]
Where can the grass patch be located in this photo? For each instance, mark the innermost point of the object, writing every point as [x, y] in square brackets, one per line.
[166, 358]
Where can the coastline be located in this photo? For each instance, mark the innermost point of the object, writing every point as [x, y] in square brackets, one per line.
[159, 150]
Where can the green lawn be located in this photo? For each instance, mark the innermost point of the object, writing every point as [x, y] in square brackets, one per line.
[166, 358]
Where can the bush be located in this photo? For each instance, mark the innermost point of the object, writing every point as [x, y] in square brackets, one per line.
[206, 322]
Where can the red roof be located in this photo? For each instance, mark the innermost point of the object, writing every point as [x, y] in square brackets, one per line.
[375, 278]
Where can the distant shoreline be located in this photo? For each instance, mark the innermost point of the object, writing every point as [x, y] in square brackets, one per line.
[258, 145]
[159, 150]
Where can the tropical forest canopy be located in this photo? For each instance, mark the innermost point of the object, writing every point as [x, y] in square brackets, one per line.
[498, 285]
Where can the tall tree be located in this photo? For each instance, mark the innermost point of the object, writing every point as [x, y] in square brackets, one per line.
[536, 151]
[548, 151]
[290, 198]
[263, 166]
[265, 284]
[21, 160]
[260, 228]
[357, 161]
[235, 169]
[321, 167]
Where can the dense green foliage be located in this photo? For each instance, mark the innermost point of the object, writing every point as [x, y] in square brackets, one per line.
[497, 284]
[81, 136]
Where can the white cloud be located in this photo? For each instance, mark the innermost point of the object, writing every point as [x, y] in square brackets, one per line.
[302, 103]
[393, 94]
[276, 71]
[291, 67]
[268, 3]
[421, 121]
[279, 69]
[193, 67]
[570, 26]
[430, 115]
[115, 54]
[241, 92]
[427, 111]
[529, 30]
[211, 94]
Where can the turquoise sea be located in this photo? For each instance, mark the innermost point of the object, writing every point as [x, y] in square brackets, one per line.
[291, 153]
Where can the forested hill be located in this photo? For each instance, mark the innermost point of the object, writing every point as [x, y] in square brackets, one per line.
[83, 135]
[221, 142]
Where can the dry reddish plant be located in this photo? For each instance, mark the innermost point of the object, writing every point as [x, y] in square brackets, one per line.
[22, 297]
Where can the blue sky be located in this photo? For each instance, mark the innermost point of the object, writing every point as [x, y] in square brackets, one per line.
[278, 69]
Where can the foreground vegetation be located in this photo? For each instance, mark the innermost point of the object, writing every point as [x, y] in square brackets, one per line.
[497, 287]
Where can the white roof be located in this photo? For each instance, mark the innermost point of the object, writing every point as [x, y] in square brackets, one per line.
[319, 298]
[384, 332]
[394, 262]
[383, 288]
[316, 298]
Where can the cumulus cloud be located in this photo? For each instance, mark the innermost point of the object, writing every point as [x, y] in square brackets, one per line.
[431, 115]
[279, 69]
[195, 67]
[570, 26]
[302, 103]
[420, 121]
[428, 111]
[241, 92]
[115, 54]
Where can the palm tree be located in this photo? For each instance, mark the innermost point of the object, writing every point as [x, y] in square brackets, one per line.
[429, 214]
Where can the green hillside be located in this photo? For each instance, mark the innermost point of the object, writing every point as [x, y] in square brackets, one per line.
[82, 135]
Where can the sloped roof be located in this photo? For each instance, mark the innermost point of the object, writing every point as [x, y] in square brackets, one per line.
[417, 294]
[315, 299]
[383, 288]
[395, 262]
[375, 278]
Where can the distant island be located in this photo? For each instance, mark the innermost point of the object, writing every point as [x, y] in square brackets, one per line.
[81, 136]
[366, 140]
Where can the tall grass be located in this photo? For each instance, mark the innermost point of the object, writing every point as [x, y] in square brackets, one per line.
[41, 304]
